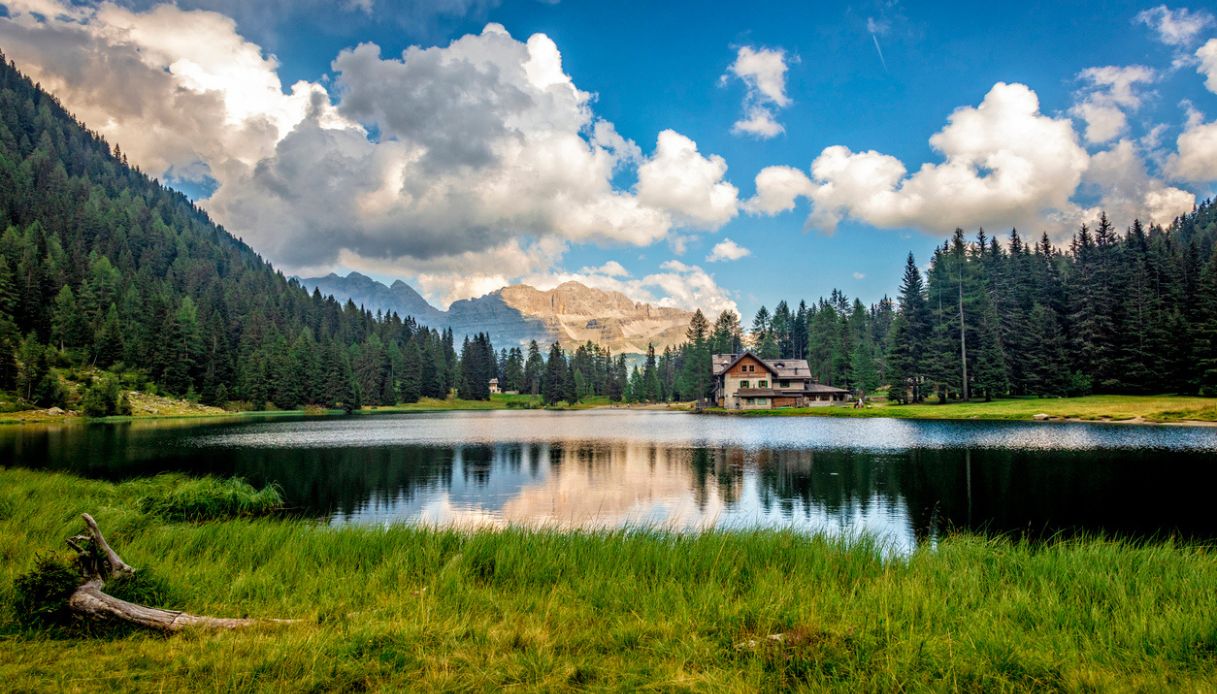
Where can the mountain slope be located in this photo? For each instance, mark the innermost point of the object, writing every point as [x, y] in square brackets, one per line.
[375, 296]
[571, 313]
[102, 266]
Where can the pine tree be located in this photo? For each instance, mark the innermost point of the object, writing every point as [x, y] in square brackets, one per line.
[10, 336]
[618, 380]
[725, 338]
[781, 325]
[182, 349]
[108, 341]
[635, 390]
[513, 371]
[695, 377]
[553, 386]
[763, 341]
[1047, 369]
[534, 369]
[991, 374]
[35, 382]
[1205, 349]
[652, 390]
[410, 386]
[434, 367]
[67, 328]
[862, 367]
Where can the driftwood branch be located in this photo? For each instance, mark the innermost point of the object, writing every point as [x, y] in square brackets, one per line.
[117, 567]
[100, 562]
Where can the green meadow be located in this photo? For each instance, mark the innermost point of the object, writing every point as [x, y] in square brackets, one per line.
[408, 608]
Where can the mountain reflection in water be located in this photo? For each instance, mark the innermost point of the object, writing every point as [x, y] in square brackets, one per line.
[902, 481]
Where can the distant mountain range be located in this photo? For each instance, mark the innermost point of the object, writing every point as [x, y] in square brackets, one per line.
[571, 313]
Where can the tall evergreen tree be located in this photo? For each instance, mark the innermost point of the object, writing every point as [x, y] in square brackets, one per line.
[553, 387]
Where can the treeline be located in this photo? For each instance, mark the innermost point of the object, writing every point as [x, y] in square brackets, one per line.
[681, 373]
[1130, 312]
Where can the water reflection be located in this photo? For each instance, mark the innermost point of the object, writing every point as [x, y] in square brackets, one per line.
[903, 481]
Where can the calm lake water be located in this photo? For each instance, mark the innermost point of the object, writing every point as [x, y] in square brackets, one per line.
[906, 481]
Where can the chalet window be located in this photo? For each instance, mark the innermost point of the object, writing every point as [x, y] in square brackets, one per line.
[762, 384]
[785, 384]
[743, 384]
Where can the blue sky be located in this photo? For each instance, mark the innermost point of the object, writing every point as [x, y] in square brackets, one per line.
[441, 202]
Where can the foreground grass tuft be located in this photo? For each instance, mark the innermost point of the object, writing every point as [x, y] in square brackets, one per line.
[406, 608]
[175, 497]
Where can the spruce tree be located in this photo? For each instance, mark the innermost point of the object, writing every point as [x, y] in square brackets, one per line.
[410, 385]
[553, 386]
[534, 369]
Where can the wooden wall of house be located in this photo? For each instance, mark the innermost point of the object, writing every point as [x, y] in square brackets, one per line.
[738, 371]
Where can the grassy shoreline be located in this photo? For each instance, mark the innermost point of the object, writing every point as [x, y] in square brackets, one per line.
[400, 608]
[1135, 409]
[497, 402]
[1130, 409]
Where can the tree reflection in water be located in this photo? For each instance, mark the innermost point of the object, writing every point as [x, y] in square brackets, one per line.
[907, 493]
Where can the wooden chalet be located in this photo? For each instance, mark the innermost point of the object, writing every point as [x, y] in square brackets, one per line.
[746, 382]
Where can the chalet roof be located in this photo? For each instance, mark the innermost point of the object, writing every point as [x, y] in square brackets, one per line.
[818, 388]
[781, 368]
[724, 362]
[791, 368]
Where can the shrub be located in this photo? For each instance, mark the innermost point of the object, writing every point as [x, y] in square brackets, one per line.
[41, 594]
[102, 398]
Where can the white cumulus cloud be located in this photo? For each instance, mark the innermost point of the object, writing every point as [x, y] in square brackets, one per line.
[1207, 55]
[727, 250]
[763, 72]
[679, 179]
[463, 165]
[1195, 158]
[1127, 191]
[1003, 163]
[1109, 92]
[1175, 27]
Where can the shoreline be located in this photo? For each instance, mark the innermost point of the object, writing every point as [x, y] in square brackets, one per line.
[1146, 410]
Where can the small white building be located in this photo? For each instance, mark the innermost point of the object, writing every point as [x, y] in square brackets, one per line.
[494, 387]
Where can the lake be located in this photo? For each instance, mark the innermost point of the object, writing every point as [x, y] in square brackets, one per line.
[906, 481]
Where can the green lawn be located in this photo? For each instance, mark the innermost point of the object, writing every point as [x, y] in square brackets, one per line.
[401, 608]
[1147, 408]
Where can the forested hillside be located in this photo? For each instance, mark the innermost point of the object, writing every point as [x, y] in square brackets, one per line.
[103, 267]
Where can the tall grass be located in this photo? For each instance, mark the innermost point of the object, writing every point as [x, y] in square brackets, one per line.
[175, 497]
[406, 608]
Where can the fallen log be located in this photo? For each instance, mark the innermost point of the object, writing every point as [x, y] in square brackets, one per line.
[99, 562]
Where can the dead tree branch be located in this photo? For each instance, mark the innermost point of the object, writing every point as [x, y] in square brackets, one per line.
[99, 562]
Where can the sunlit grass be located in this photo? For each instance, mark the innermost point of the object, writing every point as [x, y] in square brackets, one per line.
[405, 608]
